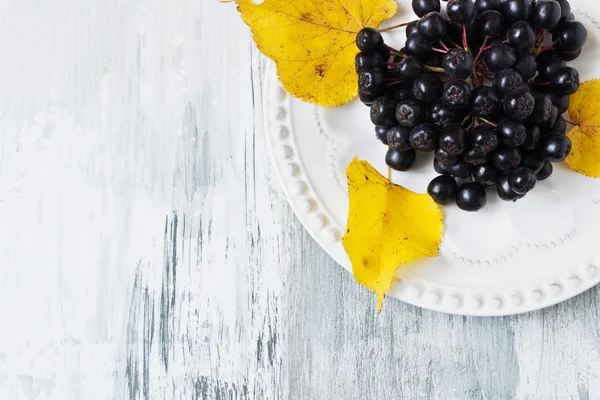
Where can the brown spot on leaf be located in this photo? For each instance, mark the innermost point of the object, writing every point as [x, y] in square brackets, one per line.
[320, 70]
[306, 16]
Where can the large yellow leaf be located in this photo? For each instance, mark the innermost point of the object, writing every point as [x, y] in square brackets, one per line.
[312, 42]
[585, 113]
[388, 227]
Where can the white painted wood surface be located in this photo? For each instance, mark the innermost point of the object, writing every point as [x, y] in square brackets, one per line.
[147, 252]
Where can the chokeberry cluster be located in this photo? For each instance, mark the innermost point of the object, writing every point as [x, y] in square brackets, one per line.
[483, 87]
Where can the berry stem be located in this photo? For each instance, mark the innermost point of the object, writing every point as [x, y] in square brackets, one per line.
[394, 51]
[490, 123]
[444, 46]
[390, 28]
[549, 47]
[464, 38]
[467, 118]
[453, 43]
[439, 50]
[481, 50]
[389, 174]
[433, 69]
[539, 83]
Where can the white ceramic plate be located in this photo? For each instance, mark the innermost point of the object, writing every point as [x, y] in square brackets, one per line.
[508, 258]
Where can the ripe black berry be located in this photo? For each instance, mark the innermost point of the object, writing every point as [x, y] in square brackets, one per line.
[471, 196]
[381, 133]
[428, 88]
[408, 69]
[423, 137]
[570, 36]
[565, 81]
[461, 169]
[400, 160]
[383, 112]
[542, 110]
[432, 27]
[484, 138]
[422, 7]
[372, 82]
[458, 64]
[491, 24]
[520, 35]
[561, 102]
[522, 180]
[441, 114]
[555, 147]
[475, 156]
[457, 93]
[500, 56]
[518, 104]
[442, 189]
[486, 174]
[416, 45]
[547, 64]
[460, 10]
[505, 192]
[516, 10]
[546, 14]
[398, 138]
[526, 66]
[440, 168]
[532, 160]
[409, 113]
[545, 172]
[368, 40]
[445, 158]
[511, 133]
[560, 125]
[507, 81]
[506, 158]
[485, 102]
[453, 139]
[532, 139]
[368, 61]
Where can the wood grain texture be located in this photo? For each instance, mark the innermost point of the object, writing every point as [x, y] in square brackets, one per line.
[147, 251]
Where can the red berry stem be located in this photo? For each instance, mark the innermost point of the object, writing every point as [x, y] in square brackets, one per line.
[444, 46]
[440, 50]
[390, 28]
[490, 123]
[453, 43]
[464, 38]
[481, 50]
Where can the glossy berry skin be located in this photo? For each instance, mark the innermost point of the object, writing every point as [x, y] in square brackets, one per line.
[484, 138]
[369, 61]
[458, 64]
[506, 158]
[453, 139]
[504, 190]
[460, 10]
[409, 113]
[520, 35]
[432, 27]
[491, 24]
[471, 196]
[483, 5]
[400, 160]
[441, 114]
[383, 112]
[570, 55]
[547, 64]
[442, 189]
[561, 102]
[475, 156]
[445, 158]
[485, 102]
[500, 56]
[532, 139]
[560, 125]
[533, 161]
[526, 66]
[511, 133]
[507, 81]
[570, 36]
[565, 81]
[403, 92]
[371, 82]
[518, 104]
[457, 93]
[368, 40]
[440, 168]
[486, 174]
[423, 137]
[461, 169]
[522, 180]
[545, 172]
[516, 10]
[398, 138]
[417, 46]
[381, 133]
[422, 7]
[546, 14]
[408, 69]
[412, 28]
[542, 110]
[546, 126]
[366, 98]
[565, 8]
[555, 147]
[428, 88]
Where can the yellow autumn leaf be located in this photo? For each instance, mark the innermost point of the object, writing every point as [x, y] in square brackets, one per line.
[584, 111]
[312, 42]
[388, 227]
